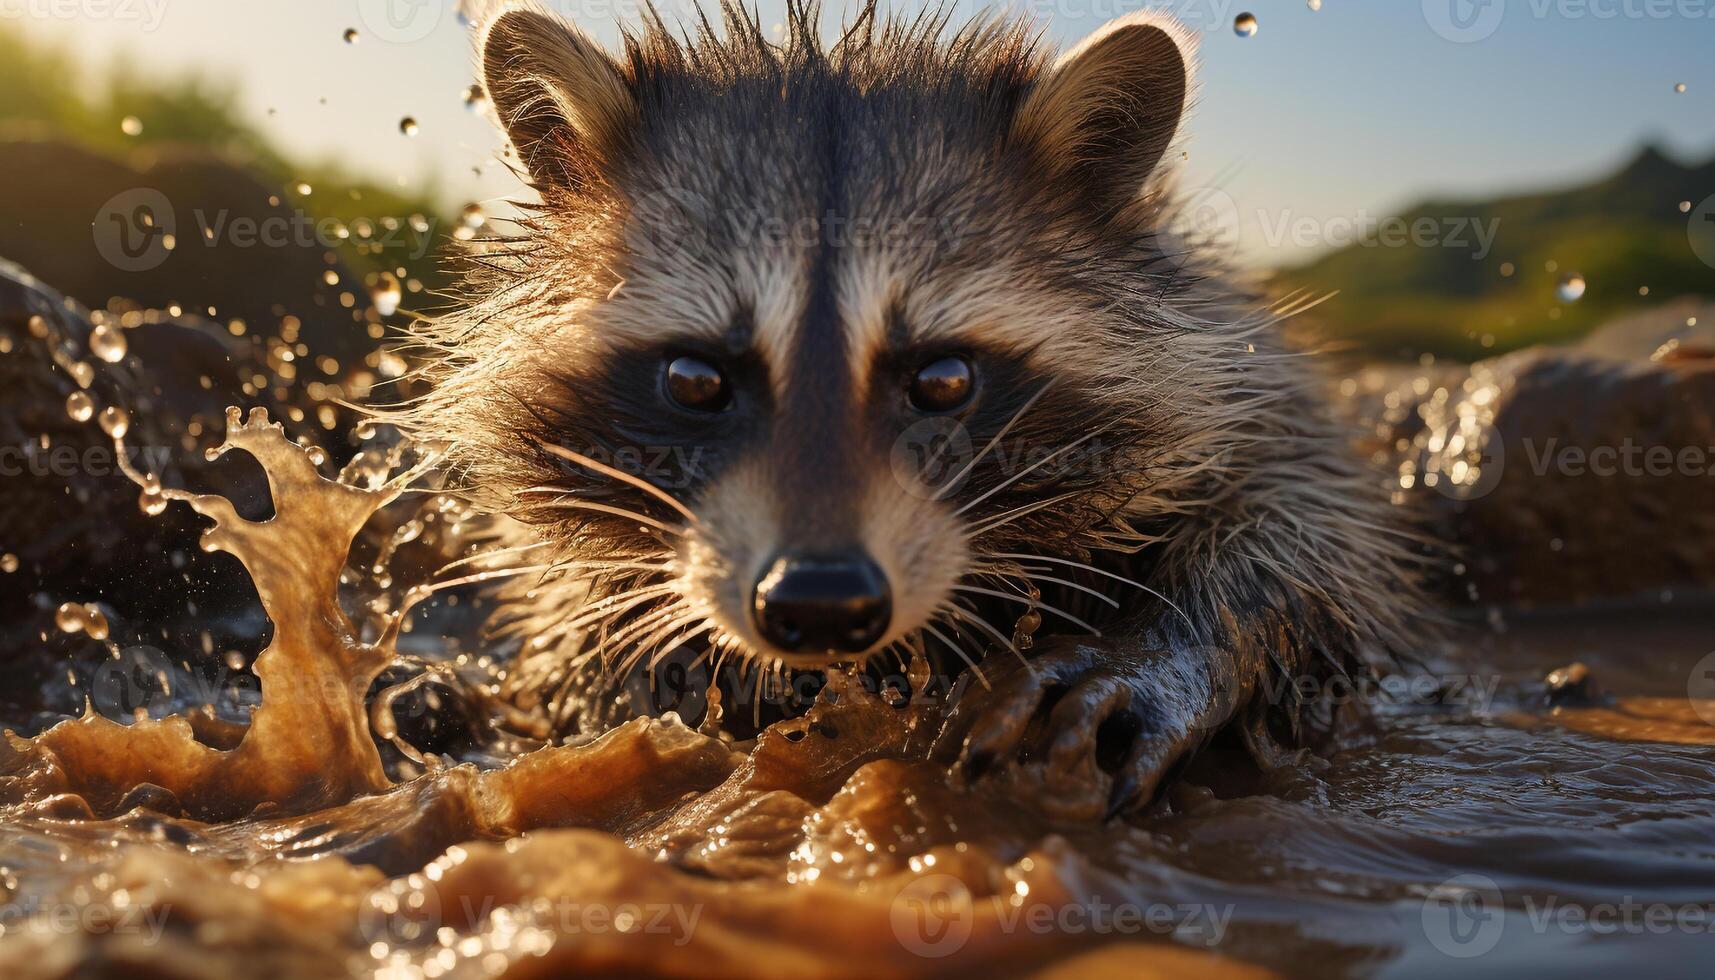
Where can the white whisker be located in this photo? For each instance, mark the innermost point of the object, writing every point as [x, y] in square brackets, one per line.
[1086, 437]
[1102, 572]
[1033, 603]
[953, 483]
[960, 651]
[624, 477]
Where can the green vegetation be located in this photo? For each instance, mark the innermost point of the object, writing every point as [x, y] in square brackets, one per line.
[196, 112]
[1621, 234]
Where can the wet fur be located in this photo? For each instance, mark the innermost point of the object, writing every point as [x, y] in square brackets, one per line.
[1223, 485]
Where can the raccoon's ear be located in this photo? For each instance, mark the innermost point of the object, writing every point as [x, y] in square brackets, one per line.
[1105, 114]
[563, 102]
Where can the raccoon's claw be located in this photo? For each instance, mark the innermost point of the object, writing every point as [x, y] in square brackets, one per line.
[1084, 733]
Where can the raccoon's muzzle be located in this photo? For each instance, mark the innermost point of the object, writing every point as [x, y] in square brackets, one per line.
[832, 602]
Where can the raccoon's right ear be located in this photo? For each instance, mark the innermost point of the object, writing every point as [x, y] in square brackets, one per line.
[563, 102]
[1106, 113]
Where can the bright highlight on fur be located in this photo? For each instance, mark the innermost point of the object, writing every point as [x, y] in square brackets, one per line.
[805, 230]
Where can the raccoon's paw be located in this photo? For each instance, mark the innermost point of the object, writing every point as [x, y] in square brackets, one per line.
[1085, 733]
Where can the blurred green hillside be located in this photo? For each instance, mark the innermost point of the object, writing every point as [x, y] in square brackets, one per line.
[48, 95]
[1626, 235]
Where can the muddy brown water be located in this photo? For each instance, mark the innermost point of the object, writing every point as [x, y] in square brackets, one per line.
[1476, 828]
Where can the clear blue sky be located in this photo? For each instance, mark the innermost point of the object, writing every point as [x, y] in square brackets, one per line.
[1360, 107]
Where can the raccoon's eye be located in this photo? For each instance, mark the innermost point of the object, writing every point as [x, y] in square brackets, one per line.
[696, 384]
[943, 385]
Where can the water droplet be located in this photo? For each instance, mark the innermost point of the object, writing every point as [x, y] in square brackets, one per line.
[94, 623]
[108, 343]
[419, 224]
[384, 293]
[114, 421]
[8, 563]
[1244, 25]
[69, 617]
[304, 189]
[473, 97]
[73, 617]
[81, 372]
[1571, 288]
[473, 216]
[131, 126]
[350, 35]
[1684, 207]
[1680, 87]
[1315, 4]
[80, 406]
[152, 501]
[408, 126]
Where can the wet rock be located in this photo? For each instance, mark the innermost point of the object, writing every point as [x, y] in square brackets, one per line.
[156, 799]
[1572, 684]
[1561, 474]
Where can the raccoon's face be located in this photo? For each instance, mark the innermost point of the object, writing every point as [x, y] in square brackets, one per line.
[816, 341]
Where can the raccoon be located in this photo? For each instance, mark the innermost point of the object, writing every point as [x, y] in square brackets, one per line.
[819, 353]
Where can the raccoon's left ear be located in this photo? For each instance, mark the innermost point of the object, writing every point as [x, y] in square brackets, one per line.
[1105, 114]
[564, 103]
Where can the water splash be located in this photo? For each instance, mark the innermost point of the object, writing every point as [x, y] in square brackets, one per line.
[308, 744]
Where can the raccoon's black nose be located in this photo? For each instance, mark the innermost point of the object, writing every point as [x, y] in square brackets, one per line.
[820, 603]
